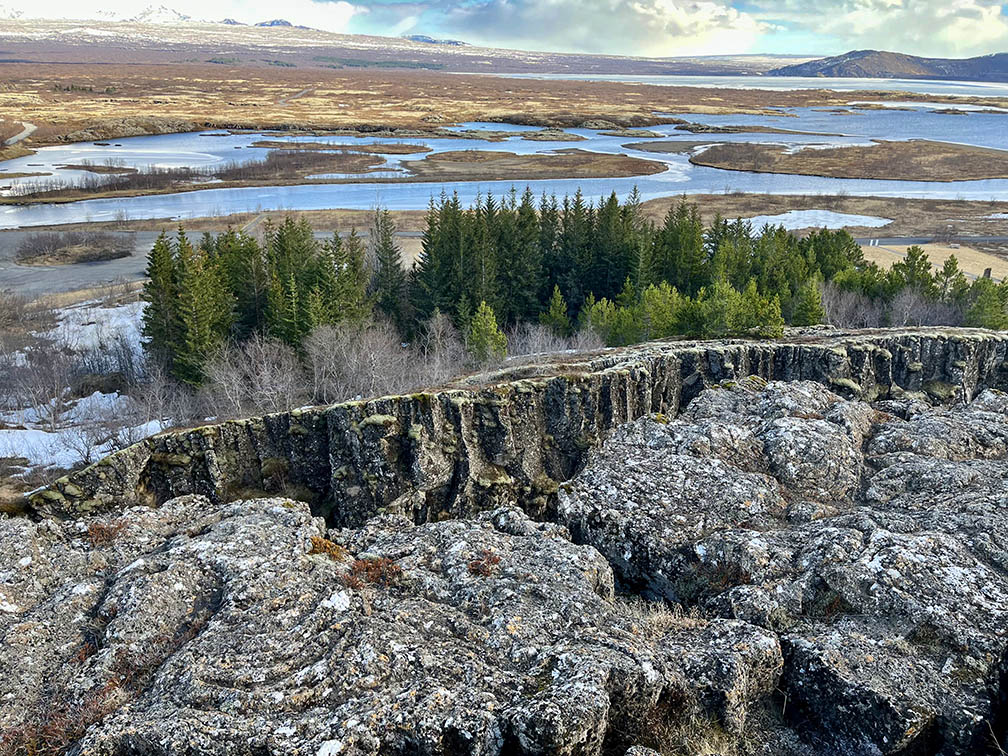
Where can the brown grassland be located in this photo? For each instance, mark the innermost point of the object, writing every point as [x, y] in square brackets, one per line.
[85, 101]
[469, 165]
[370, 149]
[914, 160]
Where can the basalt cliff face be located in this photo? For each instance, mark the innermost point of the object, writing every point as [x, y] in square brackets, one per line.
[444, 454]
[644, 552]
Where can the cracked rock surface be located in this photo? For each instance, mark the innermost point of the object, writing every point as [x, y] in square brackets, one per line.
[871, 541]
[779, 570]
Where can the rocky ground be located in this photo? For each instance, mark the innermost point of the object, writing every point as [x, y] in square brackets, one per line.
[779, 570]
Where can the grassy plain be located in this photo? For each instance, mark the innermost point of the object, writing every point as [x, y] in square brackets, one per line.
[914, 160]
[88, 101]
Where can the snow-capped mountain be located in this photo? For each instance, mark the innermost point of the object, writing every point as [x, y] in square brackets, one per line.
[9, 14]
[160, 14]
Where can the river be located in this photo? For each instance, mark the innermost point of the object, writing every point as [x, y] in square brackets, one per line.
[207, 149]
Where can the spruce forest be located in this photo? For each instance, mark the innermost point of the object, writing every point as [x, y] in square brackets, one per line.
[568, 265]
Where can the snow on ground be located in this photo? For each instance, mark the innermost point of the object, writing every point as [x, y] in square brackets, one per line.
[795, 219]
[80, 425]
[65, 447]
[92, 324]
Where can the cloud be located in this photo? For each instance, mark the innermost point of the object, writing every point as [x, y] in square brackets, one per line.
[635, 27]
[918, 27]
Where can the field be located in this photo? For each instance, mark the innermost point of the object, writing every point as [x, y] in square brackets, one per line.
[912, 160]
[472, 165]
[972, 262]
[88, 101]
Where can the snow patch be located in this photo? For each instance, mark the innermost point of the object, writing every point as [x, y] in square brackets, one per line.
[795, 219]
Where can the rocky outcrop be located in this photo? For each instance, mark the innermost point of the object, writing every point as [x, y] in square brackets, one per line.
[248, 628]
[871, 540]
[445, 454]
[780, 569]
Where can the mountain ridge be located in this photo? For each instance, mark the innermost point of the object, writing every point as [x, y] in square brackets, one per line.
[883, 64]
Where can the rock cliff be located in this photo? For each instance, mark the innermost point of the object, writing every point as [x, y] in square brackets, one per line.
[444, 454]
[644, 552]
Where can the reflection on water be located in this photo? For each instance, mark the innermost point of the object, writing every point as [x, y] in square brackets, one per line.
[855, 127]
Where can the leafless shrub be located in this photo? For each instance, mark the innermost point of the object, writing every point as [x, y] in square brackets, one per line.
[347, 361]
[441, 349]
[42, 382]
[912, 308]
[531, 339]
[260, 376]
[850, 309]
[21, 313]
[85, 246]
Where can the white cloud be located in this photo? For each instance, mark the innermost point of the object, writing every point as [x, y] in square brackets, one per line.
[636, 27]
[918, 27]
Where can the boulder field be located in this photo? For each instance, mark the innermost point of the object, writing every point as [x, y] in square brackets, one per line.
[697, 561]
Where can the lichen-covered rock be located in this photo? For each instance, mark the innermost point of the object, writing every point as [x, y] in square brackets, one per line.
[876, 547]
[249, 628]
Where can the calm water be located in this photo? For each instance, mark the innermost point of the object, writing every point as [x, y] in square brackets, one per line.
[987, 129]
[790, 83]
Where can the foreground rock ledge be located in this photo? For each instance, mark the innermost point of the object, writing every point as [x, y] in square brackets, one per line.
[444, 454]
[779, 570]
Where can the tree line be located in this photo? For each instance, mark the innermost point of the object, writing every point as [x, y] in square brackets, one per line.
[569, 265]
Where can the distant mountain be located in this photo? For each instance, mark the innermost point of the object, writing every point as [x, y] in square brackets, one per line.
[232, 22]
[431, 41]
[879, 64]
[276, 22]
[159, 15]
[9, 14]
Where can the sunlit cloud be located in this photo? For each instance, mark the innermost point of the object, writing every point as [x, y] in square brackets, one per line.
[626, 27]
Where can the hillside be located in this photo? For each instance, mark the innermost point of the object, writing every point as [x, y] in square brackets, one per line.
[879, 64]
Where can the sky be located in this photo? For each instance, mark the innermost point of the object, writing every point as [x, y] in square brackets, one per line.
[952, 28]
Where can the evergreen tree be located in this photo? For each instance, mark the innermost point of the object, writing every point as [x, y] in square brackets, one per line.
[988, 307]
[660, 311]
[160, 292]
[486, 341]
[806, 308]
[351, 279]
[914, 272]
[388, 282]
[519, 260]
[555, 315]
[952, 284]
[205, 308]
[757, 315]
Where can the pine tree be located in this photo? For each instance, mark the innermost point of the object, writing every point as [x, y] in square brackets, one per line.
[806, 305]
[205, 309]
[555, 316]
[351, 280]
[388, 282]
[914, 272]
[988, 309]
[757, 315]
[160, 291]
[486, 341]
[952, 284]
[661, 308]
[519, 260]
